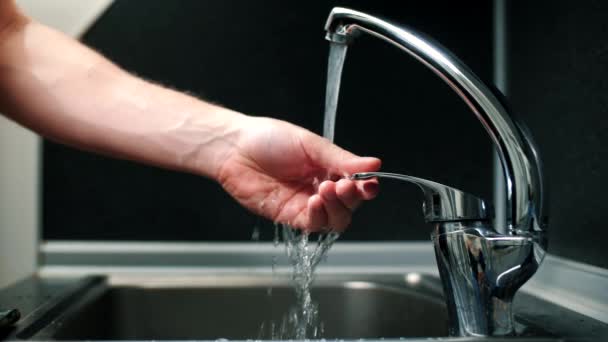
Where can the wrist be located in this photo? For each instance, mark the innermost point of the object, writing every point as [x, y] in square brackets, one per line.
[218, 131]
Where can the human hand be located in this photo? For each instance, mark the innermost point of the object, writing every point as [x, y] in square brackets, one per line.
[81, 99]
[274, 170]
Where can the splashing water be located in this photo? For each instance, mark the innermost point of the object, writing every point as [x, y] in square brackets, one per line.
[255, 235]
[302, 320]
[275, 242]
[304, 259]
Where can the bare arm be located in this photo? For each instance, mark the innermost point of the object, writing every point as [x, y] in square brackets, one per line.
[70, 94]
[63, 90]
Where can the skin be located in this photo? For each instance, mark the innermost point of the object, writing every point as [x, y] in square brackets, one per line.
[70, 94]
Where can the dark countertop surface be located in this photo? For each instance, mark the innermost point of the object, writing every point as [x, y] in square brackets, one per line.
[37, 298]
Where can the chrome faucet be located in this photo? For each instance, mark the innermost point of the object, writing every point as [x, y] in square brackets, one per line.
[481, 266]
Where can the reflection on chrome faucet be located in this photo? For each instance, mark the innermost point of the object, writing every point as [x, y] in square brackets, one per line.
[481, 267]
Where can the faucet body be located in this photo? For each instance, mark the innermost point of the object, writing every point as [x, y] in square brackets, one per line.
[481, 266]
[481, 272]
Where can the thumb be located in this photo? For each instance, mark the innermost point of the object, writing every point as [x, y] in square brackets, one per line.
[337, 160]
[360, 164]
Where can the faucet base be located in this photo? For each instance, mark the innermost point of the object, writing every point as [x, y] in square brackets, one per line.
[481, 271]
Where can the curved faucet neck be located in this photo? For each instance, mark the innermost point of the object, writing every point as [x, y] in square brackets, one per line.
[516, 150]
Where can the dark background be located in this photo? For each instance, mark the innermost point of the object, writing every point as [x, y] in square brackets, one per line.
[269, 58]
[559, 85]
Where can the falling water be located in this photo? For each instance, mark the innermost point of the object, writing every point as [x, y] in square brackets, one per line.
[302, 320]
[337, 54]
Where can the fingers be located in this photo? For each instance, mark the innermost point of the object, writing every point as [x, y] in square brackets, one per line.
[348, 194]
[368, 189]
[338, 199]
[317, 217]
[338, 215]
[332, 207]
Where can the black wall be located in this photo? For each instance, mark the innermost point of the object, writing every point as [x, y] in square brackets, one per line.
[559, 85]
[269, 58]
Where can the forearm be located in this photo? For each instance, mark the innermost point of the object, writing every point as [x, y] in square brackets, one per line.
[70, 94]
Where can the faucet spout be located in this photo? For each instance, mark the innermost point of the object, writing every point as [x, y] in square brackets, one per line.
[501, 258]
[517, 153]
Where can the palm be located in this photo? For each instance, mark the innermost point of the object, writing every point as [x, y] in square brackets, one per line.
[275, 171]
[272, 175]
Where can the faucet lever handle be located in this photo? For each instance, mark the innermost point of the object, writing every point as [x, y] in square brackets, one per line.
[442, 203]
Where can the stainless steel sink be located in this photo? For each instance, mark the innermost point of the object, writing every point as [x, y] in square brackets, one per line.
[210, 307]
[236, 307]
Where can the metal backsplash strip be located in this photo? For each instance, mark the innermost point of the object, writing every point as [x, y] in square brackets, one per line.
[573, 285]
[119, 257]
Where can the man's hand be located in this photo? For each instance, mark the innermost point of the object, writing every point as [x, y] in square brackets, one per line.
[281, 171]
[69, 93]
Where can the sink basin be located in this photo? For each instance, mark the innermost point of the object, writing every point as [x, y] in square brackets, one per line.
[239, 308]
[210, 307]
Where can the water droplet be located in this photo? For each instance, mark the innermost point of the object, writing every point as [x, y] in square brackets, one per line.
[255, 234]
[276, 238]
